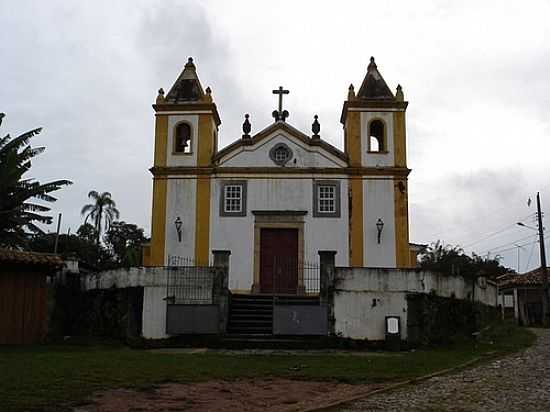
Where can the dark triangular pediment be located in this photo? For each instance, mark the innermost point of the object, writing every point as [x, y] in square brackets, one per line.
[374, 86]
[187, 87]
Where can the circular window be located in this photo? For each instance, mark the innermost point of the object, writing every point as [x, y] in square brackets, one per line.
[280, 154]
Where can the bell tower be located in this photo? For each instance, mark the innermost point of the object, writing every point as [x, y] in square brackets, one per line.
[186, 136]
[375, 142]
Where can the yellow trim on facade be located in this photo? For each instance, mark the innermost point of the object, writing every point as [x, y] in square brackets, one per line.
[205, 143]
[161, 140]
[160, 185]
[158, 225]
[353, 138]
[402, 254]
[309, 171]
[202, 224]
[399, 139]
[356, 222]
[412, 258]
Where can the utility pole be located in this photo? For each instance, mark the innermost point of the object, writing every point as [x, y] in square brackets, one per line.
[543, 268]
[57, 233]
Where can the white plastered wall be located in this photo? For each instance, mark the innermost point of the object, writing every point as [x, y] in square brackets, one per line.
[281, 193]
[181, 203]
[181, 159]
[303, 154]
[154, 312]
[378, 203]
[363, 297]
[377, 159]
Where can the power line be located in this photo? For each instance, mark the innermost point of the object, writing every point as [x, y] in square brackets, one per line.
[512, 248]
[511, 243]
[508, 227]
[489, 236]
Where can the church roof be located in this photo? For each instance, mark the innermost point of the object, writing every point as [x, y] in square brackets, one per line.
[374, 86]
[187, 87]
[292, 131]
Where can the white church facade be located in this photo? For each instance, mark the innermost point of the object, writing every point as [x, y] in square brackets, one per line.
[280, 196]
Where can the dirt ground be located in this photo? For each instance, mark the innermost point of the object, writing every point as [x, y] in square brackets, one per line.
[267, 395]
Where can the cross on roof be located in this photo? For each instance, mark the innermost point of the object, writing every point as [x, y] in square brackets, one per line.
[280, 114]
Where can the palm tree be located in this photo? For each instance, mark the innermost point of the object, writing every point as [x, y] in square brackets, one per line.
[19, 213]
[102, 210]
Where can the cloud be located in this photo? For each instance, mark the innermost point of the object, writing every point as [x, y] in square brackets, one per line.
[475, 75]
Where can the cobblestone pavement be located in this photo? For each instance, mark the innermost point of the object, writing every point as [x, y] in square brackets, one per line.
[519, 382]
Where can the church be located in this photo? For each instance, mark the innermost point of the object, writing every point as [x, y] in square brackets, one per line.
[276, 198]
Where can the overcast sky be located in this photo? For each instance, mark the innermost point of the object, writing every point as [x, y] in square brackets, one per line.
[476, 75]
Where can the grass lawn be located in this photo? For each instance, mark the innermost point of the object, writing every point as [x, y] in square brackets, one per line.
[45, 377]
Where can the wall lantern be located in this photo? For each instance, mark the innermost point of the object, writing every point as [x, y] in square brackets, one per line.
[379, 227]
[178, 224]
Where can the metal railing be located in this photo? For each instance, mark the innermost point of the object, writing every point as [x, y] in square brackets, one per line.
[294, 277]
[193, 285]
[178, 261]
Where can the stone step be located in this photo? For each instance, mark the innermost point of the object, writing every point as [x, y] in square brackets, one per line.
[247, 315]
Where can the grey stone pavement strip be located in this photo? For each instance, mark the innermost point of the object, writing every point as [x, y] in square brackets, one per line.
[518, 382]
[271, 352]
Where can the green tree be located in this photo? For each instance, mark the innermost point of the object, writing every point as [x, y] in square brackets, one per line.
[19, 212]
[102, 212]
[87, 231]
[125, 241]
[451, 260]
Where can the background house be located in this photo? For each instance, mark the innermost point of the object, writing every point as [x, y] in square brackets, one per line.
[520, 296]
[23, 276]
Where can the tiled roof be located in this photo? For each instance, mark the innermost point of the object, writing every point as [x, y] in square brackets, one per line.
[529, 279]
[30, 258]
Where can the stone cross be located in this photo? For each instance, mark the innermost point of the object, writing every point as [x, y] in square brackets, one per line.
[280, 114]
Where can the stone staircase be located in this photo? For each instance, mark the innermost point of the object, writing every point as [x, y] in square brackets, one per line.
[250, 315]
[253, 314]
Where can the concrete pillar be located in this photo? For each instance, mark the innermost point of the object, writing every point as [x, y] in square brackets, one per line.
[326, 294]
[221, 258]
[221, 285]
[327, 259]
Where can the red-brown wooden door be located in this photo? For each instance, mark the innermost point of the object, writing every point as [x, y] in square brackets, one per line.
[279, 261]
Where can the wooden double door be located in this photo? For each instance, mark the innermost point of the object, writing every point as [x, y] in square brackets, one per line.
[279, 261]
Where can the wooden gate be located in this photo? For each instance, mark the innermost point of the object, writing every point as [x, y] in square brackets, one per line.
[22, 307]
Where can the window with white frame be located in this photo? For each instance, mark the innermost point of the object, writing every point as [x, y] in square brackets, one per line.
[233, 195]
[233, 198]
[326, 198]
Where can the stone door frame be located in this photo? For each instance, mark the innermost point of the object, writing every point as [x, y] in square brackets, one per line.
[273, 219]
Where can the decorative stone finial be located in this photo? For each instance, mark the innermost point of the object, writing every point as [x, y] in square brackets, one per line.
[280, 116]
[372, 63]
[160, 96]
[351, 92]
[247, 127]
[207, 95]
[399, 96]
[315, 128]
[190, 62]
